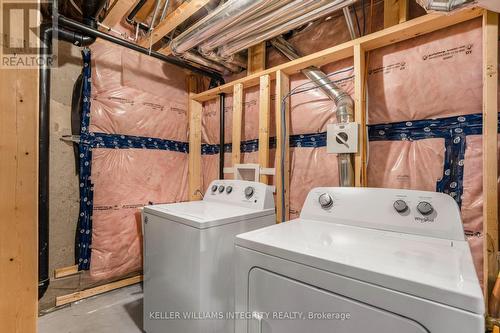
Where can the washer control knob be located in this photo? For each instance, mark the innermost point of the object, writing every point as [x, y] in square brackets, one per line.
[400, 206]
[221, 188]
[249, 191]
[425, 208]
[229, 189]
[214, 188]
[325, 200]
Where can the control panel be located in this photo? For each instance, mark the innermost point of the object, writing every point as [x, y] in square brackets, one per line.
[406, 211]
[241, 192]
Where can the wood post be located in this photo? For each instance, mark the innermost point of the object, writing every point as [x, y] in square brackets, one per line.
[282, 144]
[264, 123]
[490, 149]
[360, 115]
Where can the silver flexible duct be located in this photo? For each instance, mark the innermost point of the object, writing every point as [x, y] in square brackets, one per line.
[223, 17]
[344, 103]
[260, 36]
[274, 18]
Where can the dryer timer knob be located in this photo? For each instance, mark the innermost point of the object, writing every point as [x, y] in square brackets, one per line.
[325, 200]
[249, 191]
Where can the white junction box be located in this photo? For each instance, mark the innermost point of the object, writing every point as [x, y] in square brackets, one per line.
[342, 138]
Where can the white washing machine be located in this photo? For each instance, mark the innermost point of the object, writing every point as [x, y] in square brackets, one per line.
[188, 256]
[361, 260]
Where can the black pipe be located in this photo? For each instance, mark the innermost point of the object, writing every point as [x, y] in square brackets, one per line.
[43, 162]
[90, 11]
[222, 106]
[74, 25]
[133, 13]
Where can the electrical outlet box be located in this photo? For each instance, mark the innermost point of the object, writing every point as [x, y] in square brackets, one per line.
[342, 138]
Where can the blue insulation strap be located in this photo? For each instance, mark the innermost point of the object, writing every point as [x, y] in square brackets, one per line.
[84, 226]
[116, 141]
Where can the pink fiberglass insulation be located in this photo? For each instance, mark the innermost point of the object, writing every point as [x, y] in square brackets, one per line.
[132, 94]
[472, 198]
[416, 165]
[410, 80]
[124, 181]
[310, 168]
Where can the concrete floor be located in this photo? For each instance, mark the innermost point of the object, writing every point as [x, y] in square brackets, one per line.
[117, 311]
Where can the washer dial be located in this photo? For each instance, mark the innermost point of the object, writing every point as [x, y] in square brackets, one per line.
[400, 206]
[425, 208]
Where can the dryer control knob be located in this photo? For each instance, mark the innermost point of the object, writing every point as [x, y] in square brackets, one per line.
[214, 188]
[400, 206]
[229, 189]
[425, 208]
[249, 191]
[325, 200]
[221, 188]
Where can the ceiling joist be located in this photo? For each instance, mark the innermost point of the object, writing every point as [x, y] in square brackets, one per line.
[173, 20]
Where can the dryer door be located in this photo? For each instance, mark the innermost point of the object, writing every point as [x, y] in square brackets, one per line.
[283, 305]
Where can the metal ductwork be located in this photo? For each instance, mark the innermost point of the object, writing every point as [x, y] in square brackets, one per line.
[442, 5]
[239, 24]
[344, 103]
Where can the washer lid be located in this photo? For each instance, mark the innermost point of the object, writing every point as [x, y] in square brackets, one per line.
[202, 214]
[431, 268]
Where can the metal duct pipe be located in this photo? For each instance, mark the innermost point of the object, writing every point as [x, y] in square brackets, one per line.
[245, 42]
[277, 17]
[344, 103]
[220, 19]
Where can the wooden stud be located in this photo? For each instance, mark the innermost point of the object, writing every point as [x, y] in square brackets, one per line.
[264, 123]
[395, 12]
[118, 10]
[194, 168]
[79, 295]
[173, 20]
[282, 91]
[65, 271]
[237, 121]
[490, 142]
[400, 32]
[360, 115]
[256, 58]
[19, 197]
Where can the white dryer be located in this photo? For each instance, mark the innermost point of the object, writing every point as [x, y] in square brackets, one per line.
[189, 252]
[361, 260]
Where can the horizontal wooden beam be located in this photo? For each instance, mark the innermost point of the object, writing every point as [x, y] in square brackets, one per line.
[79, 295]
[118, 10]
[407, 30]
[173, 20]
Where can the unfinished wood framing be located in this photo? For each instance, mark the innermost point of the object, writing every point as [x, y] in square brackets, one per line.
[395, 12]
[79, 295]
[264, 123]
[19, 200]
[256, 58]
[237, 121]
[407, 30]
[490, 149]
[194, 168]
[65, 271]
[118, 10]
[171, 21]
[282, 144]
[360, 115]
